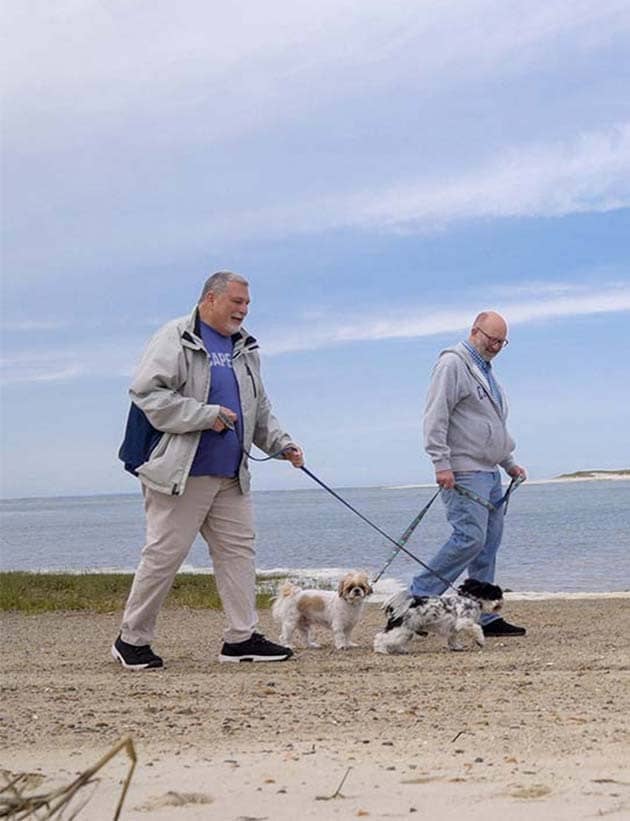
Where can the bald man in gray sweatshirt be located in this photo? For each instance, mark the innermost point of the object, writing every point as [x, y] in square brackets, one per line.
[466, 436]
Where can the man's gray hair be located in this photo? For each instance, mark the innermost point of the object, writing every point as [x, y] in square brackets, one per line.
[217, 283]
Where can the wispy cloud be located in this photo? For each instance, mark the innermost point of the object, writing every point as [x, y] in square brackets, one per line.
[396, 117]
[534, 302]
[65, 364]
[29, 325]
[29, 366]
[578, 301]
[590, 173]
[272, 52]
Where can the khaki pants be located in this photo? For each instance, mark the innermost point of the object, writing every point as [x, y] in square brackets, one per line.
[216, 508]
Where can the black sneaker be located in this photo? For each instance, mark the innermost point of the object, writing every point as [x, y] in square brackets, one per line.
[135, 658]
[500, 627]
[255, 648]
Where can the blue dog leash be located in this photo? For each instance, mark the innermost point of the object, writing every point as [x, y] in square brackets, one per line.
[399, 545]
[464, 492]
[377, 528]
[516, 481]
[503, 501]
[406, 535]
[470, 494]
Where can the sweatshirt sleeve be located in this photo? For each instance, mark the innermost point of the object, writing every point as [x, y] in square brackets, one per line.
[442, 397]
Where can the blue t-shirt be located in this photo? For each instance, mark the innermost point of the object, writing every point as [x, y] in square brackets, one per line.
[219, 454]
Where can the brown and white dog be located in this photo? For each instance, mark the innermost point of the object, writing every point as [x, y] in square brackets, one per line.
[297, 609]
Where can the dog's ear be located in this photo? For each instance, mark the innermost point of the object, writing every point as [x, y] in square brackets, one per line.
[364, 582]
[341, 586]
[470, 587]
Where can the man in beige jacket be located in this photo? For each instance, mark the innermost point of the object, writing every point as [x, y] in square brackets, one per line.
[198, 405]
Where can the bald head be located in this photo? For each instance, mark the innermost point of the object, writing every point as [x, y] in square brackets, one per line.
[488, 334]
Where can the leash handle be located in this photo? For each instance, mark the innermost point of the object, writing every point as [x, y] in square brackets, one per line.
[376, 527]
[405, 536]
[503, 501]
[226, 420]
[516, 481]
[264, 458]
[470, 494]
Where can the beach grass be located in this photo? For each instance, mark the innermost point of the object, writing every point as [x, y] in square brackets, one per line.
[105, 592]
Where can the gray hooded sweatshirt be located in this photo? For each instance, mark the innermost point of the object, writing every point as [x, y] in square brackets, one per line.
[464, 427]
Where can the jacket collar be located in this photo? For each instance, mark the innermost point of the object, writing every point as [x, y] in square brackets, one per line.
[191, 336]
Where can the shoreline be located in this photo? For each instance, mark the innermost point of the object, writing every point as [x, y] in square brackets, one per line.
[597, 476]
[527, 727]
[322, 577]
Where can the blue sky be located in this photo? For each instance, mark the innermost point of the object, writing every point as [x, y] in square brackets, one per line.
[380, 171]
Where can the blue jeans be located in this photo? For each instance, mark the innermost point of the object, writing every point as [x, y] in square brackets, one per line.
[475, 539]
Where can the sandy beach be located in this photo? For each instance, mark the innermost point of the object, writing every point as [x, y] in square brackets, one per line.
[534, 727]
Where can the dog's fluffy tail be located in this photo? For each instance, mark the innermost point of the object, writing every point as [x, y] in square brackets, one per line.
[286, 591]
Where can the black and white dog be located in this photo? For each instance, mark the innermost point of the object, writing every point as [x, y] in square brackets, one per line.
[451, 615]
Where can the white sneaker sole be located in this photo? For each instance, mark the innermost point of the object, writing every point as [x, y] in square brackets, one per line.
[118, 657]
[223, 658]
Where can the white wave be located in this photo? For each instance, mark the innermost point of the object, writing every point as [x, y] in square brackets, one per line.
[331, 574]
[593, 477]
[407, 487]
[544, 595]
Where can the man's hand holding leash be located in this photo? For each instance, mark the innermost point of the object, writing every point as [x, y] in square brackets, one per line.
[294, 455]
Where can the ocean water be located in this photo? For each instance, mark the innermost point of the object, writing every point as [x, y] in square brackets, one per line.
[559, 537]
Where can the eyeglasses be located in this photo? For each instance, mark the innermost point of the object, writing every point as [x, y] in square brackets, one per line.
[494, 340]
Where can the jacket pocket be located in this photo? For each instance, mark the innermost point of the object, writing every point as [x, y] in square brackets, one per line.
[499, 446]
[170, 461]
[479, 433]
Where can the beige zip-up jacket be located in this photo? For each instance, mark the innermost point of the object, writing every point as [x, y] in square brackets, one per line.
[171, 387]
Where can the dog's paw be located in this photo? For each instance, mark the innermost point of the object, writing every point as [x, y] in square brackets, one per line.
[313, 645]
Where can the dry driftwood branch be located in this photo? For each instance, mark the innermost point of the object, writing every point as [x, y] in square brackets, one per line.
[16, 805]
[337, 793]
